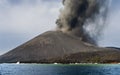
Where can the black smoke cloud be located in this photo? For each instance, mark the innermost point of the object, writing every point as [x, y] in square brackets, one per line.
[83, 18]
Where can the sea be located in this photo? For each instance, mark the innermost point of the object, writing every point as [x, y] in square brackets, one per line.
[59, 69]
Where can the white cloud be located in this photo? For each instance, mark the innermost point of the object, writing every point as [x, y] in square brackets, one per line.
[112, 31]
[24, 20]
[28, 18]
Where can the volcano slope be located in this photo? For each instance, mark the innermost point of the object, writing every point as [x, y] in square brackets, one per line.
[55, 46]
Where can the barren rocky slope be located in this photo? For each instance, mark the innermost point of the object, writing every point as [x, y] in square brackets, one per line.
[55, 46]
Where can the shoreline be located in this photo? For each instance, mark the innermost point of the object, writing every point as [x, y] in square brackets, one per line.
[65, 64]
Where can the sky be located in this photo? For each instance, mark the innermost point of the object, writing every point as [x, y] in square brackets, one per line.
[22, 20]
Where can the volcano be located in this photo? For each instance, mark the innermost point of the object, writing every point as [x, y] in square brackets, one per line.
[56, 46]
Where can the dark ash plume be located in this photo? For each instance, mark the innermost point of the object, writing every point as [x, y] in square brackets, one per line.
[83, 18]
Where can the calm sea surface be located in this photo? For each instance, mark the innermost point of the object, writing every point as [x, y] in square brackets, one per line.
[49, 69]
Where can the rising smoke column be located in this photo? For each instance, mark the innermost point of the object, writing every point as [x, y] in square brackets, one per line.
[83, 18]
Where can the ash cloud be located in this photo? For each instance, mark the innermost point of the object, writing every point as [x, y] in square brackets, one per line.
[83, 18]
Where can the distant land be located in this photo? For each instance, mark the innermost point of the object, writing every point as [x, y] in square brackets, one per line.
[58, 47]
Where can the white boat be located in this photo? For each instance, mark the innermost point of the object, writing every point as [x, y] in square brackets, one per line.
[76, 63]
[95, 63]
[18, 62]
[55, 63]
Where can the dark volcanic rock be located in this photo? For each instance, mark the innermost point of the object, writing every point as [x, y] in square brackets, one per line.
[55, 46]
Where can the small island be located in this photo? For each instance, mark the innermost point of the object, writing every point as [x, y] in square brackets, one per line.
[58, 47]
[79, 26]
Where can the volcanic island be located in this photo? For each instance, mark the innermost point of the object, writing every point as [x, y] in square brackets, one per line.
[71, 42]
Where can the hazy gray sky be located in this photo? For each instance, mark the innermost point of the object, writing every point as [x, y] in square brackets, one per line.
[21, 20]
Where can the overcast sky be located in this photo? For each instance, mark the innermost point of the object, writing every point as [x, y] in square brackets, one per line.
[21, 20]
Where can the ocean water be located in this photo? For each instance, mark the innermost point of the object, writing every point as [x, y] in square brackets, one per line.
[59, 69]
